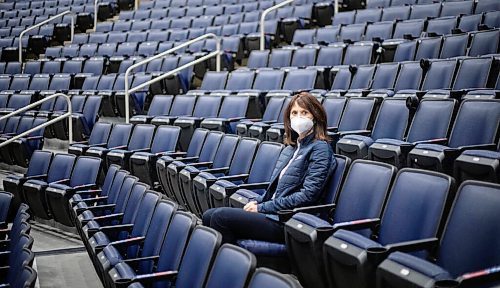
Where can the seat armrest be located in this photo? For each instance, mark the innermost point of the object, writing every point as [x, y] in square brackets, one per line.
[491, 146]
[62, 181]
[85, 186]
[88, 192]
[356, 132]
[375, 255]
[332, 129]
[217, 170]
[200, 164]
[175, 154]
[285, 215]
[136, 261]
[117, 228]
[107, 217]
[251, 186]
[235, 119]
[118, 147]
[479, 278]
[128, 242]
[98, 145]
[80, 142]
[138, 150]
[36, 177]
[234, 177]
[357, 224]
[34, 138]
[148, 278]
[99, 207]
[433, 141]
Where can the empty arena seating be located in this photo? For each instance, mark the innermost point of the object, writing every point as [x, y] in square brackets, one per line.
[408, 86]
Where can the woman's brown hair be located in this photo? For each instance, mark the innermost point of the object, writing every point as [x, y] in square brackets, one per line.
[309, 102]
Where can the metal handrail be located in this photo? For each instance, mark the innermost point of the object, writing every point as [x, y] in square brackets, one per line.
[95, 14]
[263, 18]
[147, 60]
[336, 7]
[58, 118]
[136, 4]
[43, 23]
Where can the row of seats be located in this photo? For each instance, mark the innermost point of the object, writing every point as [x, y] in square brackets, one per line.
[17, 256]
[85, 112]
[19, 152]
[434, 10]
[158, 229]
[263, 4]
[37, 16]
[10, 8]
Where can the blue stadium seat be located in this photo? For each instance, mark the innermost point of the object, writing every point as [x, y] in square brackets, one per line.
[327, 35]
[484, 42]
[344, 18]
[164, 142]
[160, 106]
[270, 115]
[183, 105]
[396, 13]
[140, 141]
[22, 149]
[469, 132]
[84, 176]
[454, 45]
[264, 277]
[457, 8]
[441, 26]
[118, 138]
[355, 264]
[436, 111]
[98, 137]
[392, 120]
[466, 232]
[233, 109]
[34, 189]
[235, 272]
[368, 15]
[257, 179]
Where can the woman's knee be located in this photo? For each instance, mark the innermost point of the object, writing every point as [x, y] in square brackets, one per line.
[207, 216]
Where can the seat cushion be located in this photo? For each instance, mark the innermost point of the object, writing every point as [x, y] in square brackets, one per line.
[482, 153]
[355, 239]
[225, 183]
[249, 194]
[263, 248]
[311, 220]
[389, 141]
[37, 182]
[421, 266]
[59, 186]
[365, 139]
[431, 147]
[99, 239]
[123, 271]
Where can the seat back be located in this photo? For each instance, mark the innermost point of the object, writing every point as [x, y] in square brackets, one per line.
[300, 79]
[18, 101]
[207, 106]
[363, 77]
[210, 146]
[440, 74]
[174, 244]
[232, 267]
[357, 114]
[330, 56]
[24, 124]
[392, 119]
[160, 227]
[225, 151]
[214, 80]
[123, 194]
[91, 110]
[479, 67]
[119, 135]
[160, 105]
[303, 57]
[182, 105]
[470, 239]
[409, 77]
[196, 143]
[364, 192]
[40, 82]
[239, 80]
[100, 133]
[27, 277]
[477, 123]
[198, 258]
[457, 8]
[77, 103]
[11, 124]
[415, 207]
[137, 195]
[342, 79]
[483, 43]
[143, 217]
[269, 80]
[60, 167]
[141, 136]
[85, 171]
[385, 76]
[234, 106]
[39, 163]
[409, 27]
[454, 45]
[432, 119]
[165, 139]
[442, 26]
[358, 55]
[265, 160]
[243, 156]
[428, 48]
[280, 58]
[264, 277]
[5, 200]
[258, 59]
[332, 187]
[108, 179]
[60, 82]
[273, 108]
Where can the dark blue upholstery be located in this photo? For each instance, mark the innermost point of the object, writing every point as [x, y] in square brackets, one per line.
[358, 199]
[38, 166]
[84, 122]
[431, 121]
[264, 277]
[119, 137]
[5, 205]
[34, 189]
[467, 244]
[232, 267]
[164, 141]
[233, 108]
[262, 167]
[99, 136]
[182, 106]
[83, 176]
[483, 43]
[391, 122]
[141, 138]
[271, 113]
[402, 221]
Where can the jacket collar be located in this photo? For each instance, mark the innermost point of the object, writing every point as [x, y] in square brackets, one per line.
[307, 140]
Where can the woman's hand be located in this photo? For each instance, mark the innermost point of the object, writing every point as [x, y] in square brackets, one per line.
[251, 206]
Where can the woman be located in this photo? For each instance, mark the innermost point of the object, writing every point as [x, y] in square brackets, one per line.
[298, 178]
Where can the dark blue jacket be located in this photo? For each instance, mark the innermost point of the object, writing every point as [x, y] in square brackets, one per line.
[303, 181]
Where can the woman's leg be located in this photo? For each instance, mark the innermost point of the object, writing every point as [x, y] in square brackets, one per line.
[207, 216]
[236, 223]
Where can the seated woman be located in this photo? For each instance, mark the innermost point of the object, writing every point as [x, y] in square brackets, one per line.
[297, 180]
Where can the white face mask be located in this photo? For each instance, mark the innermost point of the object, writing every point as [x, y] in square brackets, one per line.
[301, 124]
